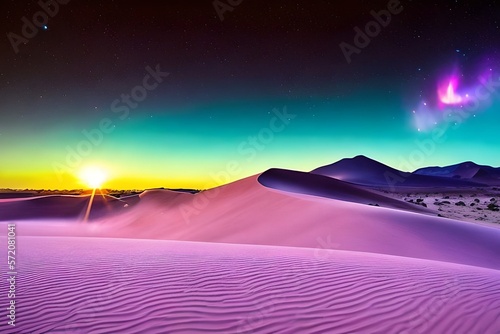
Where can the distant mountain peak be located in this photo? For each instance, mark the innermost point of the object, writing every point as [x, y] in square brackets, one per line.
[359, 161]
[467, 170]
[359, 169]
[469, 163]
[366, 171]
[361, 158]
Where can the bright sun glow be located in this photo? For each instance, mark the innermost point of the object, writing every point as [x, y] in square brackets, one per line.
[93, 177]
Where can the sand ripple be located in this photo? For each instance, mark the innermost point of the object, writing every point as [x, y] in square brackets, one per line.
[85, 285]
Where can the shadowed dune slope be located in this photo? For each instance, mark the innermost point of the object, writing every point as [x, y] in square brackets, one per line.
[58, 207]
[324, 186]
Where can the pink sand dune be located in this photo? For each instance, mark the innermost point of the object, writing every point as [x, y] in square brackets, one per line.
[98, 285]
[246, 212]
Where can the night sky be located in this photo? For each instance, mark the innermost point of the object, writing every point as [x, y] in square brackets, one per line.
[267, 86]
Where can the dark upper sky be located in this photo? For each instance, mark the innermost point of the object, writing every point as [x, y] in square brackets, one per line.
[264, 54]
[273, 45]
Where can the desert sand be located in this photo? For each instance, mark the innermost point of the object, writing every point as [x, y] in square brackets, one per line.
[100, 285]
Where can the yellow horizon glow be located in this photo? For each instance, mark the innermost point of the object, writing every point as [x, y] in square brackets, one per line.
[50, 181]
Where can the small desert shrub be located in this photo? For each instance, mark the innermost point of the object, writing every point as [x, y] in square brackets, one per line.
[493, 207]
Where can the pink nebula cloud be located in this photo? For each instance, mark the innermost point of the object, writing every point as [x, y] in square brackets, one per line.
[447, 92]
